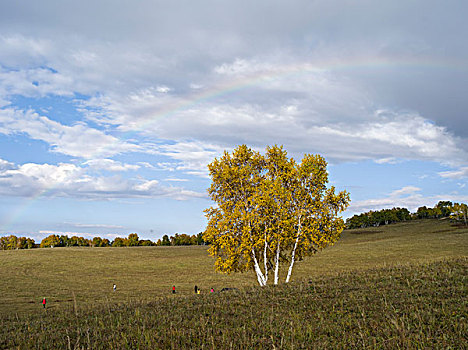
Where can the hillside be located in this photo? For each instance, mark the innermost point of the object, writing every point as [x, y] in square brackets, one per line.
[410, 307]
[85, 275]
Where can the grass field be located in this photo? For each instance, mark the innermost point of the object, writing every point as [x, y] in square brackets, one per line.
[397, 286]
[85, 275]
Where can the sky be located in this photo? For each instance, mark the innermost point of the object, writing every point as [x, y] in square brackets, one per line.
[110, 111]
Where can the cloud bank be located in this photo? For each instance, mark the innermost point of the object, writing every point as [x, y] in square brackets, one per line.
[68, 180]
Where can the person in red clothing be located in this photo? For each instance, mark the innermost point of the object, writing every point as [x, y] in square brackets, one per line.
[173, 289]
[44, 301]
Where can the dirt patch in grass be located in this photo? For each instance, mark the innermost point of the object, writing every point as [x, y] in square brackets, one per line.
[459, 226]
[443, 231]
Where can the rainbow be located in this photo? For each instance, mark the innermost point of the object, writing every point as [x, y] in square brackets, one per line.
[297, 69]
[229, 86]
[19, 211]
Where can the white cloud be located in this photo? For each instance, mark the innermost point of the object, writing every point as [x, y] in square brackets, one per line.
[409, 197]
[6, 165]
[406, 197]
[20, 51]
[240, 67]
[258, 98]
[405, 190]
[455, 174]
[146, 165]
[190, 157]
[195, 86]
[389, 160]
[396, 136]
[175, 179]
[69, 180]
[110, 165]
[77, 140]
[68, 65]
[93, 225]
[299, 105]
[163, 89]
[414, 133]
[35, 82]
[67, 233]
[111, 236]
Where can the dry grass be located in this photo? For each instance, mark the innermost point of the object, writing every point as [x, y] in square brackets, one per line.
[411, 307]
[148, 273]
[397, 286]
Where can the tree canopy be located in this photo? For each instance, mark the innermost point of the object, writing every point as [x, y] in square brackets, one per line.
[270, 211]
[460, 212]
[443, 209]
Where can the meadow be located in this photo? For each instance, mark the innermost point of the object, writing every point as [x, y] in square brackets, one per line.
[401, 285]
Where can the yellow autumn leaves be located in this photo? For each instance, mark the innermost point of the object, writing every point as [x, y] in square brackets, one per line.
[270, 211]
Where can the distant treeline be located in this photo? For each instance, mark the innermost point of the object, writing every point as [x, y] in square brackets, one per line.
[443, 209]
[12, 242]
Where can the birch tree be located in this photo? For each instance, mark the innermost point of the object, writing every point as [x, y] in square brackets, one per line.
[270, 211]
[460, 212]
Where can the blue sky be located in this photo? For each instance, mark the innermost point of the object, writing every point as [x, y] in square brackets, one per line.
[111, 111]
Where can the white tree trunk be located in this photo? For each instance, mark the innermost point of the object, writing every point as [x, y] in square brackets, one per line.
[293, 255]
[260, 277]
[265, 258]
[277, 262]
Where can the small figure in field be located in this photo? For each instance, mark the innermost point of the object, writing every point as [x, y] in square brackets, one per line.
[173, 289]
[44, 302]
[114, 287]
[212, 290]
[196, 290]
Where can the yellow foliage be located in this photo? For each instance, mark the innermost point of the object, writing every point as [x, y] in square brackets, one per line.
[270, 209]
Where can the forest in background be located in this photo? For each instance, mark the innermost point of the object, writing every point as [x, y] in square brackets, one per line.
[458, 212]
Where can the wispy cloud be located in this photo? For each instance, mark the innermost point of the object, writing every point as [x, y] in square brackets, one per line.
[455, 174]
[67, 233]
[77, 140]
[110, 165]
[409, 197]
[93, 225]
[406, 197]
